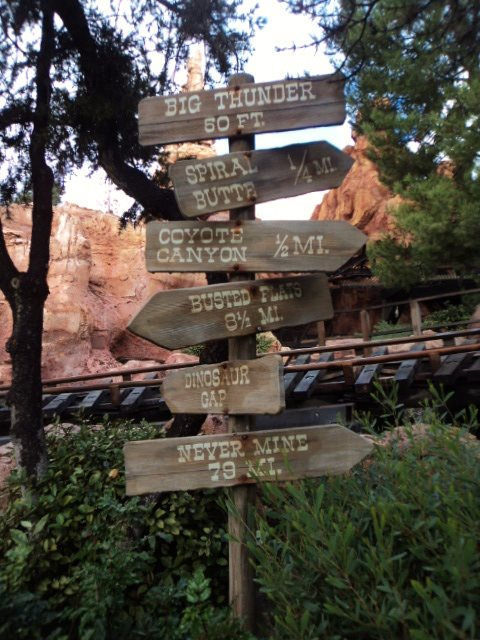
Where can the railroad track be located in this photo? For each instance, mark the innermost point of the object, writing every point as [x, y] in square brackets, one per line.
[321, 383]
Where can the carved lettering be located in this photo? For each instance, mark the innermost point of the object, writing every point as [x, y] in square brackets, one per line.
[263, 458]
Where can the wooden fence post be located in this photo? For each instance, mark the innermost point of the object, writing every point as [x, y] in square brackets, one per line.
[366, 327]
[241, 587]
[416, 317]
[321, 336]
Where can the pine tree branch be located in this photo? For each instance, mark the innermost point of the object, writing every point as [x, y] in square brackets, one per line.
[156, 201]
[15, 114]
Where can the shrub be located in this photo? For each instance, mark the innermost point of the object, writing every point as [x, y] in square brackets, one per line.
[451, 313]
[389, 551]
[81, 560]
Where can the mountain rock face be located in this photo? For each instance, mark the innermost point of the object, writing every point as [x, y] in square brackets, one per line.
[97, 282]
[361, 199]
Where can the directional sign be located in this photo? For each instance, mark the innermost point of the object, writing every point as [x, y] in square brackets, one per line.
[243, 178]
[184, 317]
[249, 108]
[305, 245]
[181, 464]
[237, 387]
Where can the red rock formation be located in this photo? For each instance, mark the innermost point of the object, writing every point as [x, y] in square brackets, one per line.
[97, 282]
[361, 199]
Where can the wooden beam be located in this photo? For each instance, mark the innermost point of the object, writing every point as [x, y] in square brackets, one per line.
[416, 317]
[406, 371]
[366, 378]
[244, 109]
[184, 317]
[452, 367]
[246, 245]
[241, 589]
[234, 387]
[305, 388]
[207, 185]
[305, 417]
[182, 464]
[291, 380]
[58, 404]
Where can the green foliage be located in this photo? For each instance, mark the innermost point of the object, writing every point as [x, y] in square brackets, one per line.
[141, 45]
[195, 350]
[449, 314]
[81, 560]
[201, 621]
[440, 225]
[388, 551]
[264, 342]
[390, 330]
[414, 90]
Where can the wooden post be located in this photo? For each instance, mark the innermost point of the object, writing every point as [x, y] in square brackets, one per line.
[416, 317]
[321, 333]
[241, 587]
[366, 329]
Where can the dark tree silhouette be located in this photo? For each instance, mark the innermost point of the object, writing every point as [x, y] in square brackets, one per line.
[71, 76]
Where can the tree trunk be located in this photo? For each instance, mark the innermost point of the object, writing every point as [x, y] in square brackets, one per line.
[25, 396]
[26, 292]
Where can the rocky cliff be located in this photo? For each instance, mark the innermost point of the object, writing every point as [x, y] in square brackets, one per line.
[361, 199]
[97, 282]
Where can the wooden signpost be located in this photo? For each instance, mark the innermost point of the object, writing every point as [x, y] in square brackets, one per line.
[183, 317]
[237, 310]
[312, 245]
[226, 460]
[238, 387]
[242, 178]
[242, 109]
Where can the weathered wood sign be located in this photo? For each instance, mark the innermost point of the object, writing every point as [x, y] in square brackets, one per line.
[239, 110]
[236, 387]
[184, 317]
[180, 464]
[320, 245]
[242, 178]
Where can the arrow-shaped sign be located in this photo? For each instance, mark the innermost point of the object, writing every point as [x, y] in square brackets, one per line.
[294, 245]
[237, 110]
[223, 460]
[243, 178]
[184, 317]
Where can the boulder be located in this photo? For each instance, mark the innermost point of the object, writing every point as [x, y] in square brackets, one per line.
[97, 281]
[361, 199]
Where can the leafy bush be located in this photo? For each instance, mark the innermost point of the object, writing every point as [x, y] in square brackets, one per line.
[264, 342]
[81, 560]
[451, 313]
[384, 329]
[195, 350]
[389, 551]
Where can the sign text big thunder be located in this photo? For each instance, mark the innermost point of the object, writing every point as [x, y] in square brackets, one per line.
[245, 109]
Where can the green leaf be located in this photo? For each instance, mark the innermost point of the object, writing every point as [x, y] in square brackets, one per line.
[40, 525]
[19, 536]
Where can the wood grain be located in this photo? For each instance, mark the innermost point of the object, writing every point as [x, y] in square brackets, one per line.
[293, 245]
[242, 178]
[181, 464]
[234, 387]
[184, 317]
[248, 109]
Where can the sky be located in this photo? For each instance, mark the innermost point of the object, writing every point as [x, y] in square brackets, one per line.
[265, 64]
